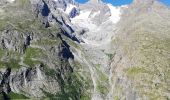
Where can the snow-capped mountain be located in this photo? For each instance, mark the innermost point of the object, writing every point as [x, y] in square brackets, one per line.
[63, 50]
[94, 21]
[98, 20]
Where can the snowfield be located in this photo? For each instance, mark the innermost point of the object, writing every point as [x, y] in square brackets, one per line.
[98, 34]
[115, 13]
[11, 1]
[69, 8]
[83, 21]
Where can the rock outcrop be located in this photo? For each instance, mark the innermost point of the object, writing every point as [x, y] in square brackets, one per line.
[35, 58]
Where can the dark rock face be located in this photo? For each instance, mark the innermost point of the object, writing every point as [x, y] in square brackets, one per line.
[64, 51]
[5, 81]
[28, 40]
[74, 12]
[36, 48]
[45, 10]
[49, 9]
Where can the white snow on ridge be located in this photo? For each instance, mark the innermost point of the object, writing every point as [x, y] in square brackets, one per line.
[94, 14]
[83, 15]
[69, 8]
[11, 1]
[97, 34]
[83, 20]
[115, 13]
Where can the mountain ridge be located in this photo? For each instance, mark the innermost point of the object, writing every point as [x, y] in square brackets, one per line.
[63, 50]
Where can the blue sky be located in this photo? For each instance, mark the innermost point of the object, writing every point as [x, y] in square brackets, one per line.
[166, 2]
[118, 2]
[114, 2]
[122, 2]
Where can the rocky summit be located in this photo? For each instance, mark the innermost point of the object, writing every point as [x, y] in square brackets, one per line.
[63, 50]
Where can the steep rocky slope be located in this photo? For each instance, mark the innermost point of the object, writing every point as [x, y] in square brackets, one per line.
[35, 56]
[62, 50]
[141, 60]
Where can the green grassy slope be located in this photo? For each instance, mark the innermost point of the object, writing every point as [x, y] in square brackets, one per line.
[144, 39]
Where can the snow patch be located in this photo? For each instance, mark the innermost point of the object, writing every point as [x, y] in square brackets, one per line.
[93, 43]
[97, 34]
[83, 20]
[94, 14]
[69, 8]
[83, 15]
[115, 13]
[11, 1]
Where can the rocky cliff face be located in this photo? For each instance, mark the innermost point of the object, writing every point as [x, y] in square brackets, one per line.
[35, 58]
[62, 50]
